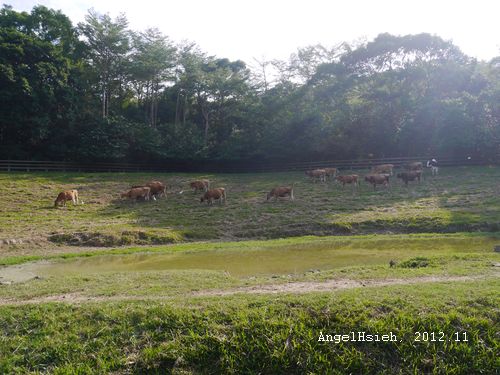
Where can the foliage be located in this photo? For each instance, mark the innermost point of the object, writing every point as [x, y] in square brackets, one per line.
[392, 96]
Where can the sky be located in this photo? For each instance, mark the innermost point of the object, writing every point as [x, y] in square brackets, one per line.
[273, 29]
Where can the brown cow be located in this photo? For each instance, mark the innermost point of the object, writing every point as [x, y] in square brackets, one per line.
[214, 194]
[377, 179]
[157, 188]
[383, 168]
[200, 185]
[68, 195]
[143, 192]
[280, 191]
[348, 179]
[317, 174]
[410, 176]
[415, 166]
[331, 172]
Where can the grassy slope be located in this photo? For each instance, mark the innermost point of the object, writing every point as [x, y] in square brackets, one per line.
[460, 199]
[185, 333]
[252, 334]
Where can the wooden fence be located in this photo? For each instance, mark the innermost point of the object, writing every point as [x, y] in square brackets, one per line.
[218, 166]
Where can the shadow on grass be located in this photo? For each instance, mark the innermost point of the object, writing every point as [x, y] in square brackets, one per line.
[459, 199]
[247, 214]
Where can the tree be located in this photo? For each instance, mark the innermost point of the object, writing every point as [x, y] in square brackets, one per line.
[108, 43]
[213, 87]
[34, 78]
[152, 64]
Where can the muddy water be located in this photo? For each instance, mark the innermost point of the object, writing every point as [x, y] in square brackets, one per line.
[243, 262]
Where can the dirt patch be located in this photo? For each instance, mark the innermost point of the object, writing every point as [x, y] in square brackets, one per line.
[331, 285]
[293, 287]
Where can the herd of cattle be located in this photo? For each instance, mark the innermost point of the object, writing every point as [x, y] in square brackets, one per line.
[379, 175]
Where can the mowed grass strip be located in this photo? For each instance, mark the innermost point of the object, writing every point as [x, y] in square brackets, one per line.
[459, 199]
[261, 334]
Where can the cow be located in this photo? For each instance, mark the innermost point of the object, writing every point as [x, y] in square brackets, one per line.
[415, 166]
[142, 192]
[157, 189]
[282, 192]
[317, 174]
[410, 176]
[348, 179]
[331, 172]
[203, 185]
[377, 179]
[68, 195]
[383, 168]
[214, 194]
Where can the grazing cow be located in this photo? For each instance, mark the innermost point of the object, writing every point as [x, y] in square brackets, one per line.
[157, 189]
[348, 179]
[214, 194]
[317, 174]
[200, 185]
[377, 179]
[331, 172]
[383, 168]
[280, 191]
[68, 195]
[415, 166]
[143, 192]
[433, 165]
[410, 176]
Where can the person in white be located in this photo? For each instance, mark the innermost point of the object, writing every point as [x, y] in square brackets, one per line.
[433, 165]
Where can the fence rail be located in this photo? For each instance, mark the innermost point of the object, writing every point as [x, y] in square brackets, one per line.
[220, 167]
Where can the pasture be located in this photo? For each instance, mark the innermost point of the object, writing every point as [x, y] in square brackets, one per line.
[175, 286]
[458, 200]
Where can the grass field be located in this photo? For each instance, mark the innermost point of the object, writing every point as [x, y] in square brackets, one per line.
[459, 200]
[175, 286]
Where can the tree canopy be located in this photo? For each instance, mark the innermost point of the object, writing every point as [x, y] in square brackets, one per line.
[100, 91]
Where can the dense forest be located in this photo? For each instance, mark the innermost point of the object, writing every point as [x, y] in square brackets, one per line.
[98, 91]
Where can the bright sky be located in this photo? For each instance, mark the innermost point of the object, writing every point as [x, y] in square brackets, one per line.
[268, 29]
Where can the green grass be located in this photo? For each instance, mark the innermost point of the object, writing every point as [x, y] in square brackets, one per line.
[459, 200]
[306, 241]
[440, 233]
[258, 334]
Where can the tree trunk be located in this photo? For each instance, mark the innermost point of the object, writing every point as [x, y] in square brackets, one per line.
[104, 103]
[207, 125]
[184, 110]
[177, 104]
[204, 112]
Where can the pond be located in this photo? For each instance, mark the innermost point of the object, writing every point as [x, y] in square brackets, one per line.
[259, 260]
